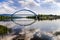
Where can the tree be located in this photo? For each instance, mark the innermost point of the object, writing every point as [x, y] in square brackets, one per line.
[3, 30]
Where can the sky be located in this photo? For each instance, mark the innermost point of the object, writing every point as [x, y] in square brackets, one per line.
[37, 6]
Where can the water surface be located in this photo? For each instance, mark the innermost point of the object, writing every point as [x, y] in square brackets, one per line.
[43, 25]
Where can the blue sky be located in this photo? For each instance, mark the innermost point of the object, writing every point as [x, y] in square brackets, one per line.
[38, 6]
[2, 0]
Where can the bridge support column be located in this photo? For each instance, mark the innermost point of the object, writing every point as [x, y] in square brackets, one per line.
[36, 17]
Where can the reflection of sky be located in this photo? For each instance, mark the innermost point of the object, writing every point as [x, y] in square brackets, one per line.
[38, 6]
[48, 25]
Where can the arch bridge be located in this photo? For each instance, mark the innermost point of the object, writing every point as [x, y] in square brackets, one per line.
[25, 10]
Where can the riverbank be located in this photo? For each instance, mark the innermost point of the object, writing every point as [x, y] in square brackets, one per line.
[44, 17]
[4, 30]
[38, 17]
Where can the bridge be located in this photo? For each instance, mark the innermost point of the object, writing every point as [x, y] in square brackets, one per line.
[22, 17]
[23, 11]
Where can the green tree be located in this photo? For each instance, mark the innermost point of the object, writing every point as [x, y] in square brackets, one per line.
[3, 30]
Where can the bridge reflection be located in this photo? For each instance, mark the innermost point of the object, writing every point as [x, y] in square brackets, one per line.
[24, 22]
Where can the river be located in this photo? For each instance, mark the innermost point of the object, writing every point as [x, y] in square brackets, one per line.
[43, 25]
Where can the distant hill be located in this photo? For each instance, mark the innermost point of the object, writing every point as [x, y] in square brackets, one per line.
[18, 15]
[5, 14]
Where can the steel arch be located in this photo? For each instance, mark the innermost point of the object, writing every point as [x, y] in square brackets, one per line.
[25, 10]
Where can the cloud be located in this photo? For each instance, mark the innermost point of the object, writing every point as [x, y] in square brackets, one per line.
[12, 5]
[5, 8]
[38, 6]
[49, 6]
[57, 1]
[9, 7]
[38, 1]
[49, 0]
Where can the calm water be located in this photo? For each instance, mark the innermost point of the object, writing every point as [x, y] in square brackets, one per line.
[43, 25]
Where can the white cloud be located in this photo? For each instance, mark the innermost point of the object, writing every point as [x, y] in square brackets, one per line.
[58, 1]
[49, 0]
[10, 1]
[10, 6]
[2, 11]
[5, 8]
[29, 0]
